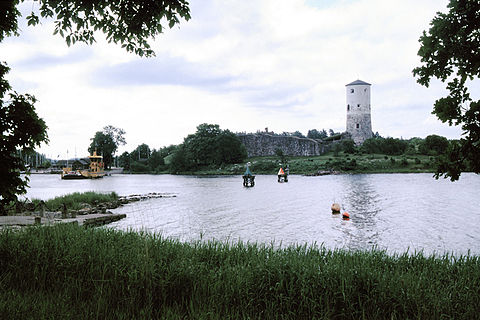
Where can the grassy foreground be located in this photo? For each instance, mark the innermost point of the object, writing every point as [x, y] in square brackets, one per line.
[68, 272]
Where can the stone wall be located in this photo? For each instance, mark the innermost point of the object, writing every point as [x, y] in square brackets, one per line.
[264, 144]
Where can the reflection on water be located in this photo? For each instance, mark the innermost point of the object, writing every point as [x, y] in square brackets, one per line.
[360, 199]
[395, 212]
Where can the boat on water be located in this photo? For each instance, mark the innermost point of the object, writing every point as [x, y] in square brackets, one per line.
[94, 170]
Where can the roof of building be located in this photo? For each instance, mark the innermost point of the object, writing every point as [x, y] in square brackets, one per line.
[358, 83]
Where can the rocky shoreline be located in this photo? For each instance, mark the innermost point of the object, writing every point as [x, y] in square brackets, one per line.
[88, 215]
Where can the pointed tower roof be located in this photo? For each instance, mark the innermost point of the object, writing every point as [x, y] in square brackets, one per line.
[358, 83]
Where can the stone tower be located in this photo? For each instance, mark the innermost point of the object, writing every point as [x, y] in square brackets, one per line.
[359, 121]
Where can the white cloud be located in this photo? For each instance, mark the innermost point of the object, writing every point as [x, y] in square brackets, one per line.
[276, 64]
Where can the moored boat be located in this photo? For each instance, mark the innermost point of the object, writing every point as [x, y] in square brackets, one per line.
[95, 169]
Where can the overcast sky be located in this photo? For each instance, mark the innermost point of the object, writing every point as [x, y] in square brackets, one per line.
[245, 65]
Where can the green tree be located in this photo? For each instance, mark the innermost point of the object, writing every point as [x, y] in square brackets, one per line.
[450, 52]
[390, 146]
[371, 145]
[142, 152]
[125, 161]
[156, 161]
[298, 134]
[103, 145]
[315, 134]
[229, 149]
[106, 143]
[128, 23]
[201, 146]
[22, 130]
[434, 145]
[393, 146]
[413, 146]
[209, 145]
[348, 146]
[117, 134]
[180, 161]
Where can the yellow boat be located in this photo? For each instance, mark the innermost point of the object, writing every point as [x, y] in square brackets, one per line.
[95, 169]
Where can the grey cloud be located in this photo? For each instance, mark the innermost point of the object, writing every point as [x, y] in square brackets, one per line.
[40, 61]
[161, 70]
[166, 70]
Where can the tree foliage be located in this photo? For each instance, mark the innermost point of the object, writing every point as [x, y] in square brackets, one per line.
[315, 134]
[348, 146]
[106, 143]
[145, 160]
[390, 146]
[434, 145]
[208, 146]
[450, 52]
[129, 23]
[22, 130]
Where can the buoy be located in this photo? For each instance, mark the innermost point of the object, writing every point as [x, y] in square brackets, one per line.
[346, 216]
[335, 208]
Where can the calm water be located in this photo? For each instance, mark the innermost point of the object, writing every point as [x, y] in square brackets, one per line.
[396, 212]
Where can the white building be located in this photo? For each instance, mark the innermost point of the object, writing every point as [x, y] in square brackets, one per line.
[359, 120]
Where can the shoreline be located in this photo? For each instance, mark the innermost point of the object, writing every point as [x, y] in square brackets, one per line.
[87, 215]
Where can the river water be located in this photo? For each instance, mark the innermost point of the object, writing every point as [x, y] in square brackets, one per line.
[395, 212]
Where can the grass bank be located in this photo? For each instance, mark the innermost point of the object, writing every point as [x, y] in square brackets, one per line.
[67, 272]
[342, 162]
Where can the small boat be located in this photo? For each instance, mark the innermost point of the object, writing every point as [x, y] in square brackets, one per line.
[95, 169]
[70, 175]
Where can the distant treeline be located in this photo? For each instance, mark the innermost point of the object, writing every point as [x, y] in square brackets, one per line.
[209, 146]
[212, 147]
[432, 145]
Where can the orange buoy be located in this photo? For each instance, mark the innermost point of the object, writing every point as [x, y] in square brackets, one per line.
[335, 208]
[346, 216]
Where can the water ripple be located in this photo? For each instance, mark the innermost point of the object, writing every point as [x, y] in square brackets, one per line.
[396, 212]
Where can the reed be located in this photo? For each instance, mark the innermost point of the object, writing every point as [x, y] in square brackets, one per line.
[76, 200]
[66, 271]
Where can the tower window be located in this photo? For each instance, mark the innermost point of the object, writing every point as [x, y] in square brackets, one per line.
[358, 125]
[352, 90]
[348, 107]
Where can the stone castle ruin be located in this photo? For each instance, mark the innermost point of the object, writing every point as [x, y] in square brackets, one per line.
[359, 128]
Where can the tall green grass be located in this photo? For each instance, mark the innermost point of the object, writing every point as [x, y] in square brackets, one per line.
[76, 200]
[68, 272]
